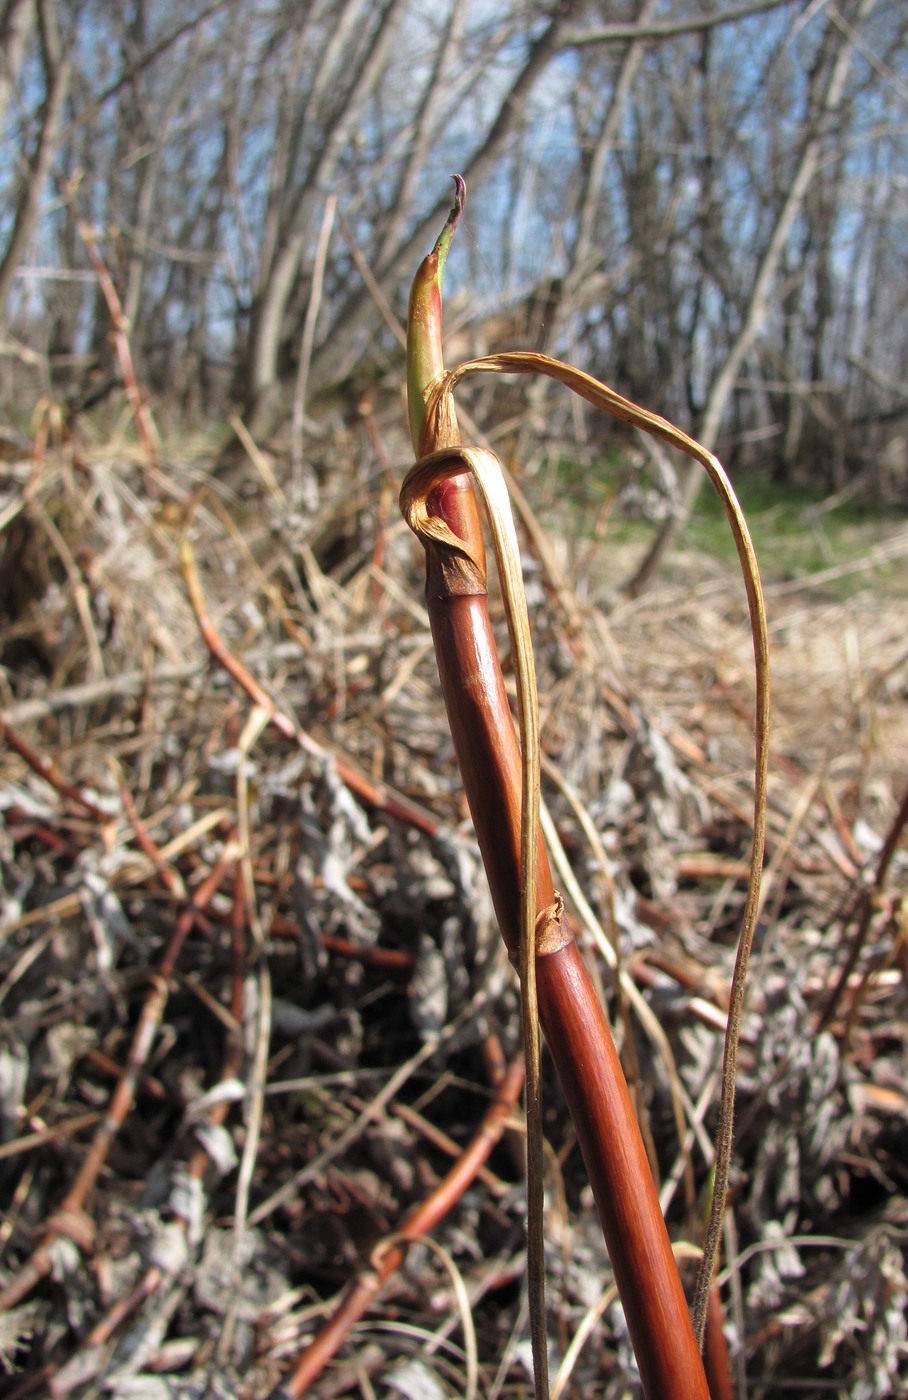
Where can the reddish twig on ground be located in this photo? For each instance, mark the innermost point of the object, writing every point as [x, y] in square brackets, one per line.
[50, 772]
[82, 1370]
[377, 795]
[363, 1291]
[168, 873]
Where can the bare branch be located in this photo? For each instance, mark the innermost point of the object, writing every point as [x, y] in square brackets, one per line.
[667, 29]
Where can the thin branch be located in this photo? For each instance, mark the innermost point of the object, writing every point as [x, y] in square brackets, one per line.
[148, 433]
[666, 29]
[49, 771]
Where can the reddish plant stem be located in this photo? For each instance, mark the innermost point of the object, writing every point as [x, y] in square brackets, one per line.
[51, 773]
[869, 901]
[377, 795]
[715, 1349]
[168, 873]
[572, 1018]
[483, 734]
[363, 1291]
[144, 421]
[623, 1187]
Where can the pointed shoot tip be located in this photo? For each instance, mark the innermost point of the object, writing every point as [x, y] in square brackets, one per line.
[443, 241]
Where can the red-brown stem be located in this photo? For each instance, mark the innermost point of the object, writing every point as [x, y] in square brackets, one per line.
[363, 1291]
[144, 422]
[483, 733]
[571, 1016]
[169, 875]
[868, 904]
[376, 794]
[638, 1244]
[51, 773]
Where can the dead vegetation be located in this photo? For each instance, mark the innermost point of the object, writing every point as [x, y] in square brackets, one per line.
[254, 1005]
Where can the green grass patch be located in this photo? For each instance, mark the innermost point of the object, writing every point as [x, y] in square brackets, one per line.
[796, 532]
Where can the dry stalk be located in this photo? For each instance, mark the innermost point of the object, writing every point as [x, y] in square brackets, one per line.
[305, 489]
[870, 900]
[258, 1073]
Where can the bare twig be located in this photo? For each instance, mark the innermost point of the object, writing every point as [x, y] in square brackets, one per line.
[868, 905]
[50, 772]
[388, 1257]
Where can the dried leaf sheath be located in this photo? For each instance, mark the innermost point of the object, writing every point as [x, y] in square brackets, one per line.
[489, 757]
